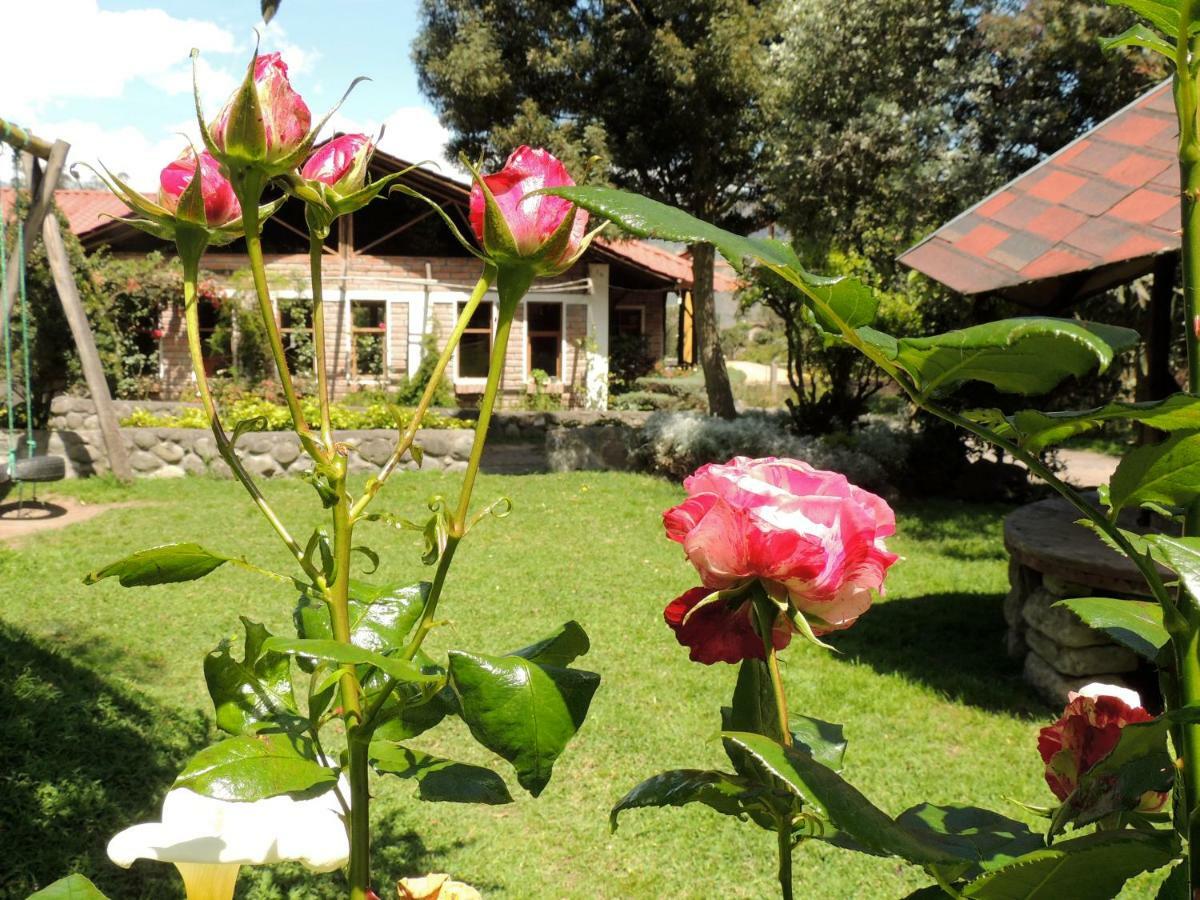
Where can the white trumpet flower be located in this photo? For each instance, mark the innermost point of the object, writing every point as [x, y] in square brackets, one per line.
[210, 840]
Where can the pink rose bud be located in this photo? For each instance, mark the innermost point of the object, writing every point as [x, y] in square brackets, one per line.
[220, 204]
[807, 535]
[533, 220]
[1088, 730]
[285, 116]
[340, 163]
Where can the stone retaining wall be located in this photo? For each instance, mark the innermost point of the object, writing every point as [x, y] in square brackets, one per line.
[518, 442]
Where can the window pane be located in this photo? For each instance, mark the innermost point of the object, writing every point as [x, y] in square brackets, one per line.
[629, 321]
[367, 314]
[473, 351]
[481, 318]
[545, 317]
[544, 354]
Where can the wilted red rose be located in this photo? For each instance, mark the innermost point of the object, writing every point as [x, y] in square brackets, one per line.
[340, 163]
[720, 631]
[806, 535]
[531, 220]
[220, 204]
[285, 116]
[1088, 730]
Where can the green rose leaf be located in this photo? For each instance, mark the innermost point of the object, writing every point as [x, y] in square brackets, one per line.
[1162, 14]
[1035, 430]
[559, 649]
[166, 564]
[840, 802]
[252, 690]
[1135, 624]
[1139, 762]
[1139, 36]
[848, 299]
[440, 780]
[1181, 555]
[348, 654]
[1097, 865]
[1017, 356]
[1167, 474]
[73, 887]
[995, 840]
[520, 710]
[679, 787]
[254, 767]
[380, 617]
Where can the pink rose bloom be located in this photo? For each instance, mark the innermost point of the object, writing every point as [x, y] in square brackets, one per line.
[531, 220]
[220, 204]
[1088, 730]
[286, 118]
[806, 535]
[340, 163]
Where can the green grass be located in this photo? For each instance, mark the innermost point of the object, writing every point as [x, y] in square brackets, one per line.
[105, 697]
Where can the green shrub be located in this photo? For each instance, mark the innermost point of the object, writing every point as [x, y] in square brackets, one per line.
[411, 388]
[275, 416]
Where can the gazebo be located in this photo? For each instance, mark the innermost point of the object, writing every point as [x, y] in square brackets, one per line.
[1101, 212]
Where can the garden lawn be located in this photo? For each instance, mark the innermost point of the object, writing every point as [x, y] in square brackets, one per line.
[103, 695]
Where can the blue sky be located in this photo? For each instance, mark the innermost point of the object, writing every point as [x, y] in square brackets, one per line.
[117, 82]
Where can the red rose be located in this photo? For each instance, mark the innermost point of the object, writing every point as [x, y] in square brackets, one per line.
[340, 163]
[220, 204]
[721, 631]
[809, 536]
[1088, 730]
[530, 220]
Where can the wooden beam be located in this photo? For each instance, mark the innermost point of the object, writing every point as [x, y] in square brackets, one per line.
[304, 234]
[16, 136]
[89, 358]
[400, 229]
[42, 187]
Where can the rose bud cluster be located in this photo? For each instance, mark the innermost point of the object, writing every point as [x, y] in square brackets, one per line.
[810, 539]
[220, 203]
[341, 163]
[1087, 731]
[282, 115]
[545, 232]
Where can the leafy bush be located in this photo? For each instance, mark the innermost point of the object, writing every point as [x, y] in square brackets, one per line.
[411, 388]
[675, 444]
[275, 416]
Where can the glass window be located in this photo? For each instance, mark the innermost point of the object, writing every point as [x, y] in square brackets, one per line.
[475, 346]
[368, 331]
[544, 325]
[629, 321]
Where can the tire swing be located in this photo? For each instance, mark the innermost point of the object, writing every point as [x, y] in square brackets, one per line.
[30, 468]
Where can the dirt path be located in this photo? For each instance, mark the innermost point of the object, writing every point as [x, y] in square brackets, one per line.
[18, 521]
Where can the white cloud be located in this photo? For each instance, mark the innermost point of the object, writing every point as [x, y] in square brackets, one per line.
[95, 53]
[412, 133]
[128, 151]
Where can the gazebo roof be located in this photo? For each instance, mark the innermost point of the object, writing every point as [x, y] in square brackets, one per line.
[1092, 216]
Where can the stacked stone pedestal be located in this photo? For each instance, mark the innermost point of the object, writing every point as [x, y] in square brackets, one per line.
[1053, 559]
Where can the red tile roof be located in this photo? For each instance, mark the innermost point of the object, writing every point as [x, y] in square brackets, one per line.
[84, 209]
[1090, 216]
[665, 262]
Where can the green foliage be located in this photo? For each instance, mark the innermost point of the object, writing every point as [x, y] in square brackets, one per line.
[411, 388]
[440, 780]
[268, 416]
[73, 887]
[1036, 430]
[165, 564]
[1135, 624]
[1162, 473]
[254, 767]
[257, 688]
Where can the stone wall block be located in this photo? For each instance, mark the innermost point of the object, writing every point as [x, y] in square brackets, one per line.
[587, 448]
[169, 472]
[220, 469]
[143, 461]
[1054, 685]
[1059, 622]
[194, 465]
[376, 450]
[1081, 661]
[258, 442]
[1014, 604]
[144, 438]
[205, 447]
[286, 450]
[168, 452]
[1062, 588]
[262, 465]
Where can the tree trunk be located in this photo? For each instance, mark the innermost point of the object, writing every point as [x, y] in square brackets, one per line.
[712, 360]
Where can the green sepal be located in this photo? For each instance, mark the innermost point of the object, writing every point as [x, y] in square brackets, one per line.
[498, 241]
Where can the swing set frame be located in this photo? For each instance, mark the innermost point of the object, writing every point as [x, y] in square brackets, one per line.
[42, 163]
